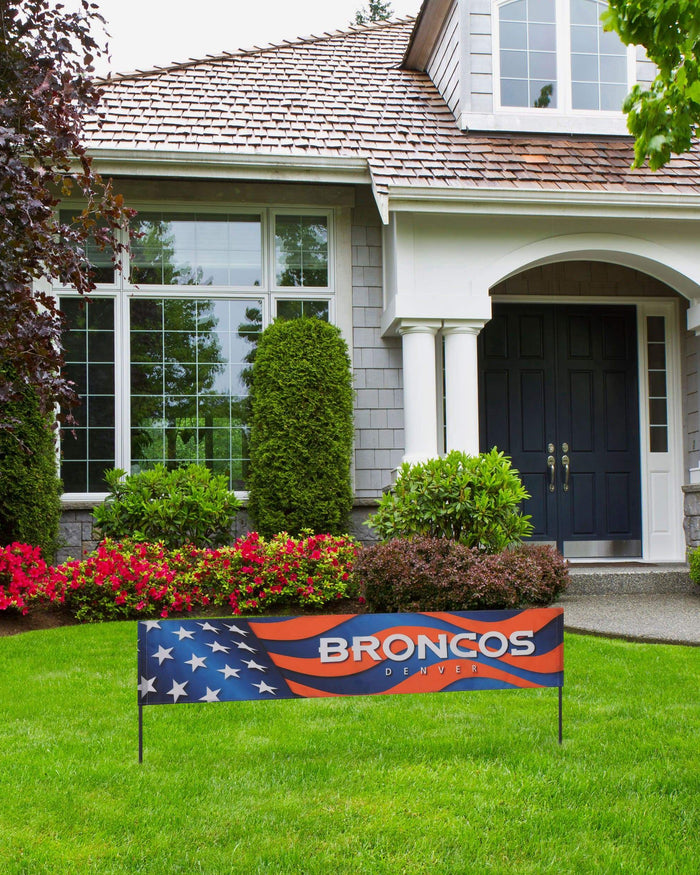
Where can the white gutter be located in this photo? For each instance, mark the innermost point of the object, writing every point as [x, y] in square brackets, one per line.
[524, 202]
[230, 165]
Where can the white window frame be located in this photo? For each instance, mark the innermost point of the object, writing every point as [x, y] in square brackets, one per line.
[293, 291]
[122, 292]
[563, 118]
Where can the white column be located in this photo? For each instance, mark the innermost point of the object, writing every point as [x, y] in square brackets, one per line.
[419, 390]
[462, 385]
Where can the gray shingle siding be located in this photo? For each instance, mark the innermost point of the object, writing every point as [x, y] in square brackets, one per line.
[379, 439]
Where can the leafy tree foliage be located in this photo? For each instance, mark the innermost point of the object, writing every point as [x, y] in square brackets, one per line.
[377, 11]
[665, 117]
[46, 95]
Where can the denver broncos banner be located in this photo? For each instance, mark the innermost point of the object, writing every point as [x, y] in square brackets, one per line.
[227, 660]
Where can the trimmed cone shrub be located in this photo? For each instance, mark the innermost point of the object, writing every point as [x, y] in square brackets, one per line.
[471, 499]
[436, 574]
[30, 489]
[188, 505]
[301, 429]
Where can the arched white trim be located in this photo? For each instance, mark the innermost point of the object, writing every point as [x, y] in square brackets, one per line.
[657, 261]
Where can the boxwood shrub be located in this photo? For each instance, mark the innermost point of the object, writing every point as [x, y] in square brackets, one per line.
[438, 574]
[475, 500]
[187, 505]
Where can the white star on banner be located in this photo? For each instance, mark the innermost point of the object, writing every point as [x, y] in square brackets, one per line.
[146, 686]
[207, 627]
[236, 629]
[151, 624]
[196, 662]
[264, 688]
[211, 696]
[229, 672]
[184, 633]
[178, 690]
[216, 647]
[251, 663]
[241, 645]
[162, 654]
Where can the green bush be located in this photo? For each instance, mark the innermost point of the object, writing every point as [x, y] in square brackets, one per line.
[185, 505]
[471, 499]
[301, 429]
[30, 490]
[437, 574]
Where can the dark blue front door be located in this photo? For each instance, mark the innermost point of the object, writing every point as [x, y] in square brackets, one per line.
[559, 394]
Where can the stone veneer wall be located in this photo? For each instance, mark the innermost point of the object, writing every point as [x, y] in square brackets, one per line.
[691, 508]
[75, 531]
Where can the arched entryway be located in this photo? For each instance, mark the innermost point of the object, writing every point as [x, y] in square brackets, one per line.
[576, 372]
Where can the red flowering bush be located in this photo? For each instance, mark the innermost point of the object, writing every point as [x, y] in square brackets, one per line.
[311, 570]
[22, 576]
[438, 574]
[127, 579]
[122, 580]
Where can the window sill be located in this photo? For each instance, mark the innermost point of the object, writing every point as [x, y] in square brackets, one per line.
[547, 122]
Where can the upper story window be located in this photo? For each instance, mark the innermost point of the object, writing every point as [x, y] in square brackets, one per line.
[555, 55]
[528, 53]
[598, 60]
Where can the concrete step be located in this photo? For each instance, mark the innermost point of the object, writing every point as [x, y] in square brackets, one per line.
[630, 579]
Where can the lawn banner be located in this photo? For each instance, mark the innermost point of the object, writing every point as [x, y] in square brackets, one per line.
[229, 660]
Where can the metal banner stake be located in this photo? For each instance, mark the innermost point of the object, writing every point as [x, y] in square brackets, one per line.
[140, 733]
[560, 715]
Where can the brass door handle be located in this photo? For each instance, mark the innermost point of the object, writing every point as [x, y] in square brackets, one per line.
[552, 465]
[566, 462]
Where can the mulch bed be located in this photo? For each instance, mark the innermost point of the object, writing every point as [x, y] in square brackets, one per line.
[38, 619]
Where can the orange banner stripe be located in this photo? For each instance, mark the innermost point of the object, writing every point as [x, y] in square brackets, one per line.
[533, 618]
[298, 628]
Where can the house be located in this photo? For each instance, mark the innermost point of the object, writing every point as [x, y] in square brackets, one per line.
[455, 192]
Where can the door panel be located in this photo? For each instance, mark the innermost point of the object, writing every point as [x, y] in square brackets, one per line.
[566, 377]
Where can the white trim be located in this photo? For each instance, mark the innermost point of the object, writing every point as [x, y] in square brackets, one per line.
[662, 473]
[543, 202]
[232, 164]
[301, 211]
[545, 121]
[636, 252]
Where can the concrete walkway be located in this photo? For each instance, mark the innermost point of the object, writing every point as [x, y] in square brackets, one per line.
[665, 608]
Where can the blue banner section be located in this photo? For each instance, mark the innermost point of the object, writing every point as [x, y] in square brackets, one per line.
[224, 660]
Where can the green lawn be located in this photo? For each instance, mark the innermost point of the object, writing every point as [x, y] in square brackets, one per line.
[444, 783]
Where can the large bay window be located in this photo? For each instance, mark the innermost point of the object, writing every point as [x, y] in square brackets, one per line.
[160, 353]
[555, 55]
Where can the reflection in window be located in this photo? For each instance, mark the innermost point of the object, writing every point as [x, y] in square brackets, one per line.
[301, 251]
[88, 346]
[99, 260]
[197, 249]
[598, 60]
[296, 309]
[528, 53]
[658, 393]
[189, 359]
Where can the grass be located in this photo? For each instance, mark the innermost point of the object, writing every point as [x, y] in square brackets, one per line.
[444, 783]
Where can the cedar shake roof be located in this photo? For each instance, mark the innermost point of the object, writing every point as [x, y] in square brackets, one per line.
[345, 95]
